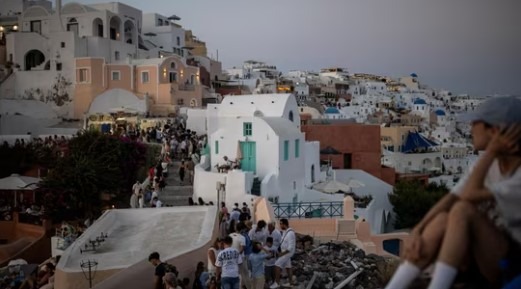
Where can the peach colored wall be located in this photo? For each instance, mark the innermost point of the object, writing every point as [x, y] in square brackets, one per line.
[151, 86]
[125, 74]
[314, 226]
[84, 93]
[8, 250]
[263, 210]
[7, 230]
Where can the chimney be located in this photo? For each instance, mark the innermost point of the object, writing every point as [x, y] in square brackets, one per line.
[58, 4]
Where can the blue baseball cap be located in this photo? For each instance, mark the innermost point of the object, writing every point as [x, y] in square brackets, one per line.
[495, 111]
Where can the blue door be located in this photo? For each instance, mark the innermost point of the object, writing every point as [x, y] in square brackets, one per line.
[249, 160]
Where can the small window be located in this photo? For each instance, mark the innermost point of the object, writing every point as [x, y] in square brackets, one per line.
[216, 147]
[159, 22]
[58, 66]
[180, 101]
[178, 41]
[83, 75]
[115, 75]
[145, 77]
[297, 148]
[247, 129]
[291, 116]
[286, 150]
[63, 44]
[116, 55]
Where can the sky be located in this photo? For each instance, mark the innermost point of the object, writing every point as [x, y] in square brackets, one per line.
[465, 46]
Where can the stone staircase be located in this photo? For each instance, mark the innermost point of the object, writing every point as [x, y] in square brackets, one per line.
[176, 193]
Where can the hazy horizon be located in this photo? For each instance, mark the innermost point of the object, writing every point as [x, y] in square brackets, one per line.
[466, 46]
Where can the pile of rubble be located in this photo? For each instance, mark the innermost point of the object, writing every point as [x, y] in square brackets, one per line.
[329, 265]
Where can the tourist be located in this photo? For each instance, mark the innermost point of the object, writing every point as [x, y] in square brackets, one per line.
[287, 250]
[269, 265]
[444, 231]
[156, 203]
[199, 270]
[274, 234]
[134, 200]
[259, 233]
[170, 281]
[257, 261]
[160, 270]
[141, 201]
[227, 264]
[182, 170]
[235, 214]
[212, 256]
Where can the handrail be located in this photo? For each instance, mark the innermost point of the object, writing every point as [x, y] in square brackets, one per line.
[309, 210]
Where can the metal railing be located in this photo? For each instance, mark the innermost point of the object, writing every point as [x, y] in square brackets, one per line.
[308, 210]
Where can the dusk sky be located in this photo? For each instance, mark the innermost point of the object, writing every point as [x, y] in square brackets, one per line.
[466, 46]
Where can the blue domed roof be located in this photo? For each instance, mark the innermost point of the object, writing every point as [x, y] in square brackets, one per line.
[440, 112]
[414, 75]
[332, 110]
[419, 101]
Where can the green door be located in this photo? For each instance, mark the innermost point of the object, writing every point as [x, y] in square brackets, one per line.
[249, 159]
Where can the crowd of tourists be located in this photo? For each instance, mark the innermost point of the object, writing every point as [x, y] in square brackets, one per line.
[245, 255]
[20, 275]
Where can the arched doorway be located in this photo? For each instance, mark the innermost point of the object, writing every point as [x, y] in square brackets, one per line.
[97, 27]
[115, 27]
[130, 31]
[193, 102]
[33, 58]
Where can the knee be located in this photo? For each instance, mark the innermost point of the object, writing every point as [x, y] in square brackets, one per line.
[462, 210]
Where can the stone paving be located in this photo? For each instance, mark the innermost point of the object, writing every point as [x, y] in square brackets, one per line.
[176, 193]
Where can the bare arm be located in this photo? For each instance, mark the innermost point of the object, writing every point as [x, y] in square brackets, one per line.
[212, 257]
[474, 189]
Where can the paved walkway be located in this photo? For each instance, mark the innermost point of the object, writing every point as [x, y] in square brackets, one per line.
[176, 193]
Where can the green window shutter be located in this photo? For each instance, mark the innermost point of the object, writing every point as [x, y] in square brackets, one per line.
[297, 148]
[247, 129]
[216, 147]
[286, 150]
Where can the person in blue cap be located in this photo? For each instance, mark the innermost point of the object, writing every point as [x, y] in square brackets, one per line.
[481, 212]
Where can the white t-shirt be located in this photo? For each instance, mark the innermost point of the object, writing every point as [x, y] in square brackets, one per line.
[277, 237]
[288, 242]
[229, 260]
[238, 241]
[259, 236]
[506, 191]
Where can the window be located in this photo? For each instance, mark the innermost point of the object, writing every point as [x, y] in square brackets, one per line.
[144, 77]
[294, 185]
[83, 75]
[247, 129]
[216, 147]
[63, 44]
[172, 76]
[36, 26]
[312, 173]
[116, 55]
[297, 148]
[115, 75]
[286, 150]
[178, 41]
[291, 116]
[180, 101]
[58, 66]
[159, 22]
[73, 26]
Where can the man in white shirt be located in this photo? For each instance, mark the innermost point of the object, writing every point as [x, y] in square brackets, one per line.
[287, 250]
[239, 242]
[259, 233]
[227, 265]
[275, 234]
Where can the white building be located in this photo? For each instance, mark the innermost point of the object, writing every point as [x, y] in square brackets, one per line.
[162, 32]
[263, 131]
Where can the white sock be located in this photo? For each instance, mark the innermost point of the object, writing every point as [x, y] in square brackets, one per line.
[443, 276]
[404, 275]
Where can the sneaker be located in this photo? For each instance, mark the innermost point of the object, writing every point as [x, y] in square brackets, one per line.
[274, 285]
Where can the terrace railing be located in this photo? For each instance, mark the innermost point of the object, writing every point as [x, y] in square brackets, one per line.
[309, 210]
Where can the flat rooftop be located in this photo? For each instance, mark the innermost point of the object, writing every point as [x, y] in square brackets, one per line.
[135, 233]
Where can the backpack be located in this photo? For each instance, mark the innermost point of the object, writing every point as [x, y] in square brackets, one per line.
[169, 268]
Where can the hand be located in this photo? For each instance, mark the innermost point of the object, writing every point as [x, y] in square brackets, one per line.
[506, 140]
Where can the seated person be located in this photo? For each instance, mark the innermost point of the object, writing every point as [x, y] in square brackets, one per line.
[467, 222]
[226, 166]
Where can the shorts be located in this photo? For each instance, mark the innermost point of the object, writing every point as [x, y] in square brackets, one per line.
[284, 261]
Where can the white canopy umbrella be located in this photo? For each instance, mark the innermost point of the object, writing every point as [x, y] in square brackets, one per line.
[331, 187]
[354, 184]
[16, 182]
